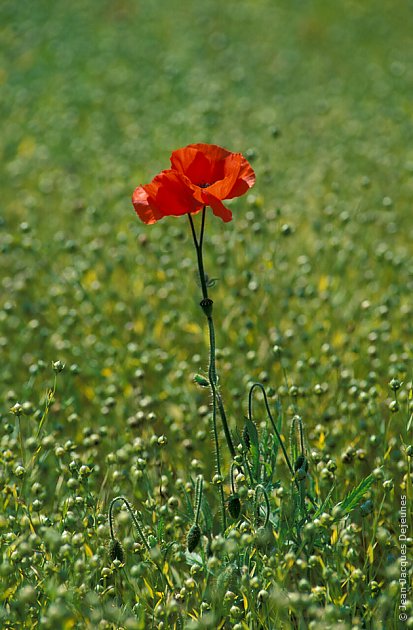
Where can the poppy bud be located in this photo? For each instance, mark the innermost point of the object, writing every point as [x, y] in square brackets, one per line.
[116, 551]
[246, 437]
[193, 538]
[300, 462]
[201, 380]
[234, 506]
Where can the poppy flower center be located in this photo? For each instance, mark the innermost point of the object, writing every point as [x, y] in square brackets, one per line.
[204, 185]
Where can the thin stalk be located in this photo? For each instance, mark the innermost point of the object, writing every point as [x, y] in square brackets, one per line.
[260, 489]
[248, 468]
[200, 260]
[21, 441]
[139, 529]
[198, 497]
[231, 476]
[218, 460]
[201, 238]
[274, 426]
[217, 399]
[213, 381]
[133, 517]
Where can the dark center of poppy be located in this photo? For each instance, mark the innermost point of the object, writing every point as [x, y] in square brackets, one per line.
[204, 185]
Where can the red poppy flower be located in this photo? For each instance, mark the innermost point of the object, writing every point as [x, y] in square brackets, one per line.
[215, 174]
[167, 195]
[201, 175]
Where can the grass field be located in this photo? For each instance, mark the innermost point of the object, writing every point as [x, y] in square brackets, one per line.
[101, 332]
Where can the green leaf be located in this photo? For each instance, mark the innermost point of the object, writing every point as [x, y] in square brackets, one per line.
[252, 432]
[353, 498]
[323, 506]
[160, 530]
[206, 511]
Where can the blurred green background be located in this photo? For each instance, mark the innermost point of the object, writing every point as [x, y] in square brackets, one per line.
[96, 95]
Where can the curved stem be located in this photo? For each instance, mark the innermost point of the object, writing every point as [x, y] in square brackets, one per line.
[133, 517]
[274, 426]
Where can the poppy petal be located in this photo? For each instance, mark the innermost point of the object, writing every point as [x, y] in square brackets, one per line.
[173, 194]
[201, 174]
[193, 164]
[168, 194]
[227, 174]
[223, 187]
[218, 207]
[245, 180]
[146, 212]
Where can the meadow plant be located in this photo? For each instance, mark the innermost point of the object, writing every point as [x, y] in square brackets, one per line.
[144, 484]
[253, 521]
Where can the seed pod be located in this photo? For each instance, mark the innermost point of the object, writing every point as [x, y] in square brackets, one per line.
[264, 537]
[301, 462]
[116, 551]
[234, 506]
[193, 538]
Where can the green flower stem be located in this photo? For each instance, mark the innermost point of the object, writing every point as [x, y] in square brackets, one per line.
[133, 517]
[231, 476]
[217, 402]
[261, 490]
[139, 530]
[274, 426]
[198, 247]
[198, 497]
[218, 462]
[216, 396]
[213, 380]
[21, 441]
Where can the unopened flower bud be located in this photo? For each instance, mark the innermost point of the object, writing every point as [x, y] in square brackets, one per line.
[193, 538]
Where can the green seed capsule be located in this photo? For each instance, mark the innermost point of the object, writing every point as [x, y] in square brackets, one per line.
[395, 384]
[193, 538]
